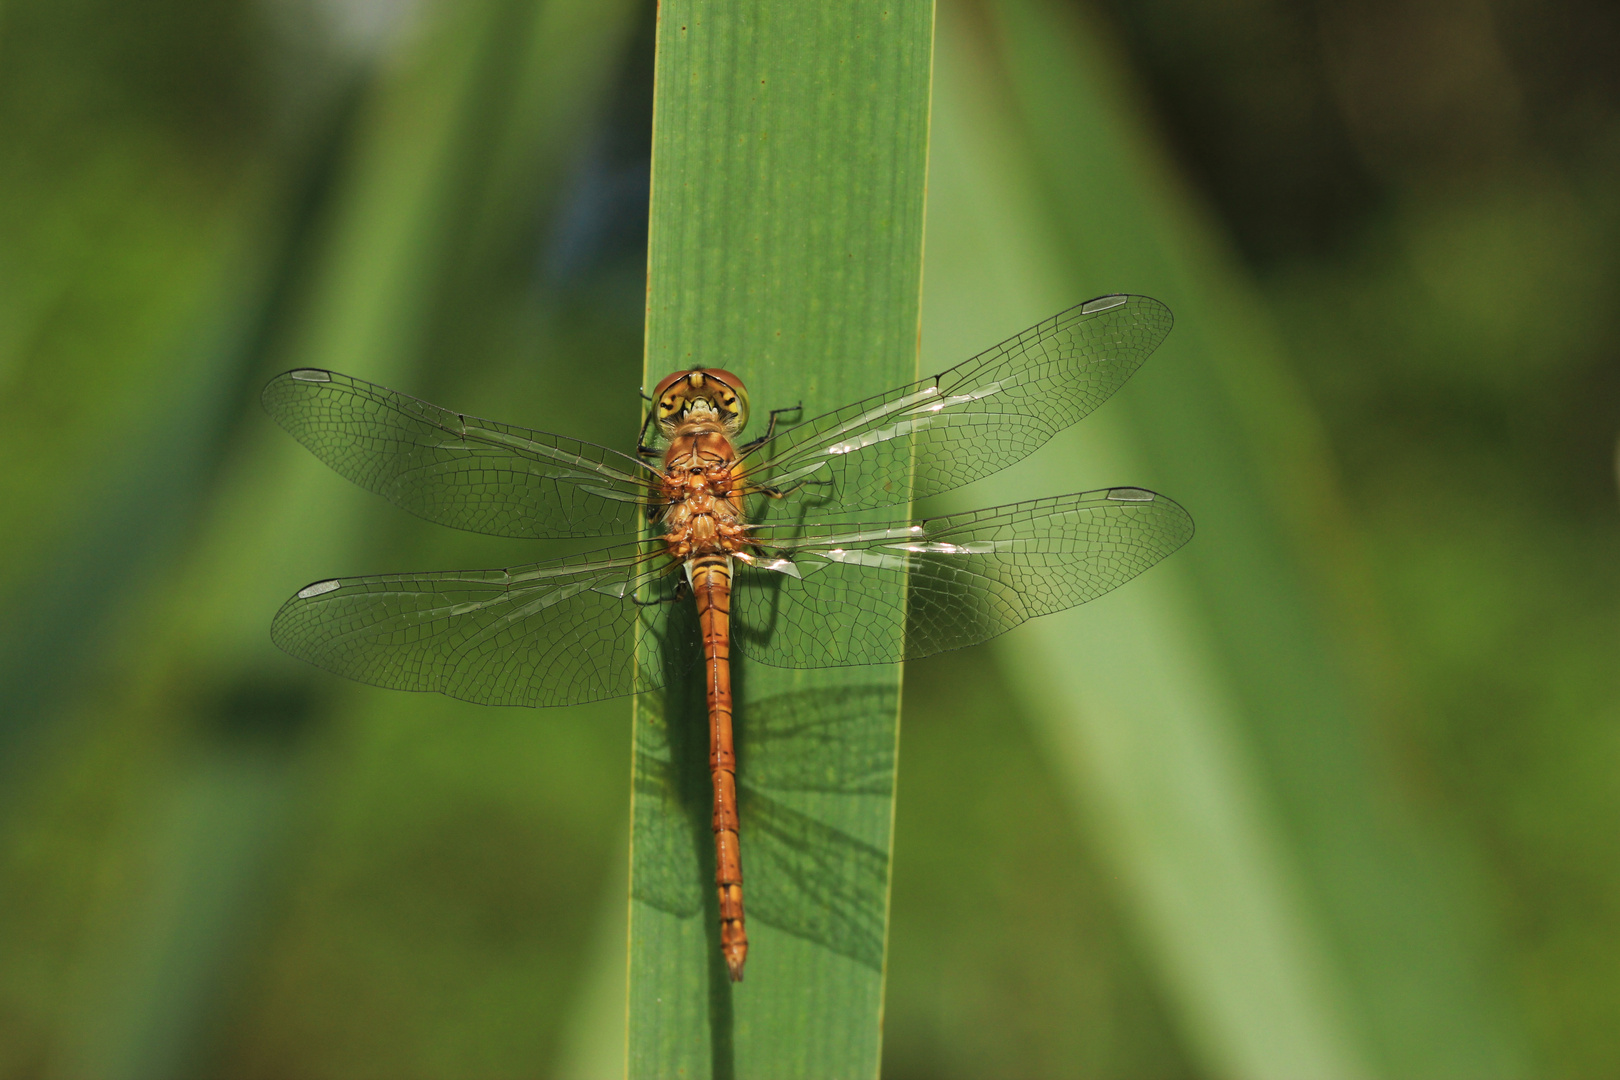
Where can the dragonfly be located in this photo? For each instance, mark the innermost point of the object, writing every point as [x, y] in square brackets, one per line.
[769, 542]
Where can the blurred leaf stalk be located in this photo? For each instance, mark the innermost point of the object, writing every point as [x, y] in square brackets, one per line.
[1212, 721]
[390, 232]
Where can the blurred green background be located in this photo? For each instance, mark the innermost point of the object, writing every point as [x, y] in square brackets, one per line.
[1393, 226]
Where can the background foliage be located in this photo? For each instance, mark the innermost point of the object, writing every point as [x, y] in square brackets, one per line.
[1389, 231]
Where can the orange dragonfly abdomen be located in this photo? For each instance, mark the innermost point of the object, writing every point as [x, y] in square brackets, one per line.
[711, 586]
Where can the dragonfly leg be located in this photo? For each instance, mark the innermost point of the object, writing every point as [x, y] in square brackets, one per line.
[678, 595]
[782, 493]
[642, 448]
[770, 429]
[677, 598]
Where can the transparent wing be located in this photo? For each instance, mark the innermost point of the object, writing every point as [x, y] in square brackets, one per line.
[554, 633]
[458, 470]
[964, 423]
[839, 595]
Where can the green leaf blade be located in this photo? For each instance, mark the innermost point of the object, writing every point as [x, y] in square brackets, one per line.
[789, 161]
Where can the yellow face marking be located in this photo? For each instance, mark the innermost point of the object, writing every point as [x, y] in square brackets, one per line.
[694, 393]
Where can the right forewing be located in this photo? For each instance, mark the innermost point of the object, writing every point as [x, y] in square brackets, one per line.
[458, 470]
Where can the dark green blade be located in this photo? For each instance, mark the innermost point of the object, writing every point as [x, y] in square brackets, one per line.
[788, 173]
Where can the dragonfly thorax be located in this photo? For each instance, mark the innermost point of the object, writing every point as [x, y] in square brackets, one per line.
[701, 489]
[701, 394]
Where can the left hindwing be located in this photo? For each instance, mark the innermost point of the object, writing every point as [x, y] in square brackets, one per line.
[833, 595]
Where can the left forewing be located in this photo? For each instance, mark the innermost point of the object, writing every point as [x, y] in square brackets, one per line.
[964, 423]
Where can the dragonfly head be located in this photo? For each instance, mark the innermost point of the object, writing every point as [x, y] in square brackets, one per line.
[699, 391]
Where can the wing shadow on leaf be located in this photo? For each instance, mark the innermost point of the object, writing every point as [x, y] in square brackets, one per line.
[802, 874]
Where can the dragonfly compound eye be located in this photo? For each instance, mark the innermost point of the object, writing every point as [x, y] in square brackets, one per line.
[719, 392]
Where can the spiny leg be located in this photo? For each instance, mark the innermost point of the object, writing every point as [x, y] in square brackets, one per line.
[770, 429]
[642, 449]
[782, 493]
